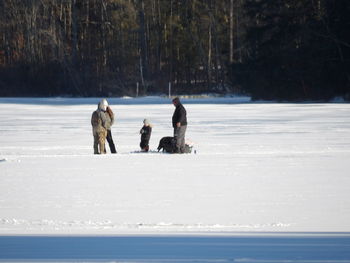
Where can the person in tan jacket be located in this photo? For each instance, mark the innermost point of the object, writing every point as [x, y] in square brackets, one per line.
[99, 131]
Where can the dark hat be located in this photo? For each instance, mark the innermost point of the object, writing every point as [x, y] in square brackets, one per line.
[176, 100]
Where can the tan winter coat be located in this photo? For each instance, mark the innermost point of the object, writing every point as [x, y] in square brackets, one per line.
[109, 118]
[98, 119]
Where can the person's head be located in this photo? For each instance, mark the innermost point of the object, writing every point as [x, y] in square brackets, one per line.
[103, 105]
[100, 106]
[176, 101]
[146, 122]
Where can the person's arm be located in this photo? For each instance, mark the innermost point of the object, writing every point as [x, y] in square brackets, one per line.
[111, 115]
[177, 118]
[148, 132]
[181, 116]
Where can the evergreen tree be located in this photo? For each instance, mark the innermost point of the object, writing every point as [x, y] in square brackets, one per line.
[294, 50]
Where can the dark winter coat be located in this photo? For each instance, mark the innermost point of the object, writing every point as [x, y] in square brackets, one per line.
[146, 133]
[179, 115]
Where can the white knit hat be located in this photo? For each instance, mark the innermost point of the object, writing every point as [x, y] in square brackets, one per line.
[105, 103]
[146, 122]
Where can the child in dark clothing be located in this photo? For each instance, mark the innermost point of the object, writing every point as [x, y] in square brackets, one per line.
[145, 132]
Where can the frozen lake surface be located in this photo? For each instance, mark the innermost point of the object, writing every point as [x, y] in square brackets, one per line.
[298, 248]
[258, 168]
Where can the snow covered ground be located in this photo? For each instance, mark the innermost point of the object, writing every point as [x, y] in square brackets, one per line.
[257, 167]
[268, 183]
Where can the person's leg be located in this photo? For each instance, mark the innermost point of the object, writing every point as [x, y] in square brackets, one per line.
[146, 146]
[176, 141]
[142, 145]
[102, 141]
[110, 142]
[96, 140]
[182, 135]
[179, 135]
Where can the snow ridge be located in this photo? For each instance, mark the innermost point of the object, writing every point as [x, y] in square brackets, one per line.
[13, 224]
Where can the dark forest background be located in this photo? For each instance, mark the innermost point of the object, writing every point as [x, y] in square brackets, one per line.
[269, 49]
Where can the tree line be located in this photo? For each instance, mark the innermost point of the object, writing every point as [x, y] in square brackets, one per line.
[288, 50]
[296, 50]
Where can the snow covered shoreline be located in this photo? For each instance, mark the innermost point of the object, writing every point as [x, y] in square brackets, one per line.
[259, 167]
[126, 100]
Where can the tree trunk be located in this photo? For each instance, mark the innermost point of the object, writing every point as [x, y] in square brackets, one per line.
[142, 44]
[231, 31]
[171, 42]
[209, 55]
[238, 8]
[73, 20]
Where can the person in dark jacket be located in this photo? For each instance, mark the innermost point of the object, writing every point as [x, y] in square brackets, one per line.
[180, 125]
[145, 132]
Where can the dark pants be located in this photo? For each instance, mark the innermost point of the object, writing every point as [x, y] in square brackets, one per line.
[110, 141]
[144, 145]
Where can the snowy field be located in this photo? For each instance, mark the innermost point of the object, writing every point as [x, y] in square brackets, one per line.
[258, 168]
